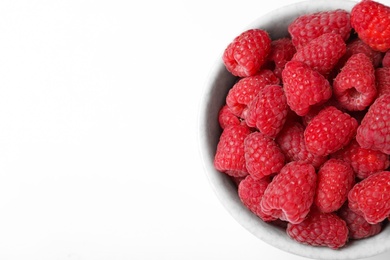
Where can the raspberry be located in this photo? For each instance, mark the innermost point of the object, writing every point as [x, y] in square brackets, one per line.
[262, 155]
[268, 111]
[304, 87]
[286, 200]
[292, 143]
[334, 180]
[364, 162]
[320, 229]
[244, 91]
[329, 131]
[250, 192]
[358, 227]
[386, 59]
[244, 56]
[358, 46]
[370, 197]
[229, 157]
[226, 117]
[371, 21]
[310, 26]
[374, 130]
[322, 53]
[382, 78]
[282, 50]
[354, 87]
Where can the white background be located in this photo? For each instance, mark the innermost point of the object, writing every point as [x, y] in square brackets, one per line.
[98, 130]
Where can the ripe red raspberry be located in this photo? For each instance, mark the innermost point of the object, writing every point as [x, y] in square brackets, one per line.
[322, 53]
[268, 111]
[244, 56]
[329, 131]
[354, 87]
[371, 21]
[382, 78]
[292, 143]
[262, 155]
[358, 227]
[286, 200]
[320, 229]
[282, 50]
[245, 90]
[310, 26]
[226, 117]
[250, 192]
[304, 87]
[370, 198]
[230, 157]
[358, 46]
[374, 130]
[364, 162]
[334, 180]
[386, 59]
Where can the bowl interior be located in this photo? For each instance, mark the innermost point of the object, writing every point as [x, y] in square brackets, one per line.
[216, 89]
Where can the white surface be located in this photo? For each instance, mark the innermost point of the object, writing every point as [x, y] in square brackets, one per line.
[98, 117]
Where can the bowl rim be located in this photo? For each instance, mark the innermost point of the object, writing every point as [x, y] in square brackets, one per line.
[230, 201]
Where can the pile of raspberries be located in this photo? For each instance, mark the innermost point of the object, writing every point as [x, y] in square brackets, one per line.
[306, 126]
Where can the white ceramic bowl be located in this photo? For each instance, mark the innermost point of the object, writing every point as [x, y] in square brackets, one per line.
[216, 89]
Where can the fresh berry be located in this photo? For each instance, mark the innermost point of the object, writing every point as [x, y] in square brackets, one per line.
[268, 111]
[322, 53]
[292, 142]
[371, 21]
[304, 87]
[354, 87]
[230, 157]
[310, 26]
[226, 117]
[320, 229]
[262, 155]
[316, 109]
[329, 131]
[370, 198]
[382, 78]
[290, 194]
[335, 179]
[364, 162]
[244, 56]
[245, 90]
[250, 192]
[386, 59]
[374, 130]
[358, 227]
[282, 50]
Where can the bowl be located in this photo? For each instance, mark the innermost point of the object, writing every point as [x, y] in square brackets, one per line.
[217, 86]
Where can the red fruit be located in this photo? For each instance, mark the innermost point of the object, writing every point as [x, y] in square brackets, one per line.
[329, 131]
[382, 78]
[268, 111]
[262, 155]
[282, 50]
[371, 21]
[320, 229]
[334, 180]
[245, 90]
[229, 157]
[304, 87]
[386, 59]
[370, 198]
[374, 130]
[354, 87]
[244, 56]
[364, 162]
[358, 227]
[250, 192]
[310, 26]
[322, 53]
[226, 117]
[290, 194]
[292, 143]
